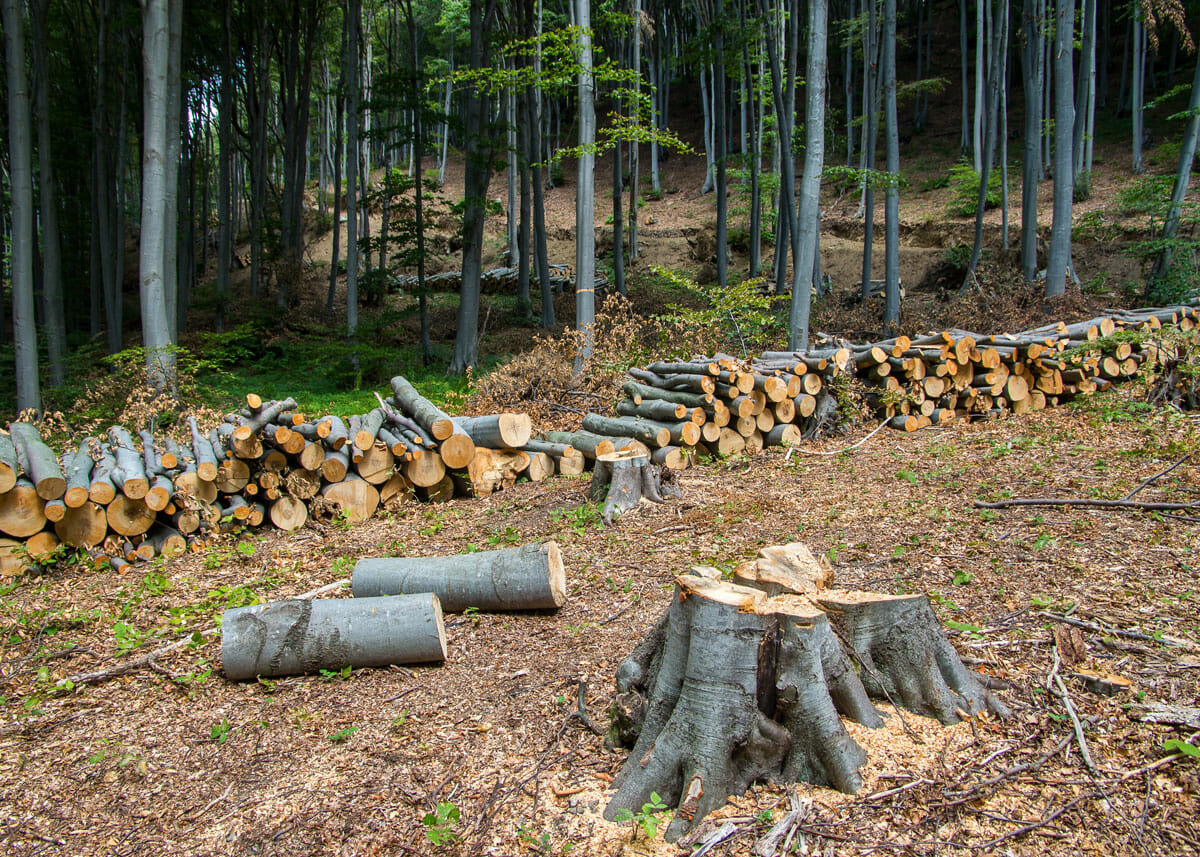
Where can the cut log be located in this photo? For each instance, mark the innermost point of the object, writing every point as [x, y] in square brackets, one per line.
[653, 409]
[54, 510]
[357, 498]
[540, 467]
[78, 474]
[312, 456]
[41, 546]
[336, 435]
[457, 449]
[303, 484]
[160, 493]
[377, 464]
[335, 465]
[424, 412]
[303, 636]
[205, 455]
[289, 513]
[589, 444]
[369, 425]
[166, 541]
[784, 434]
[232, 475]
[441, 491]
[129, 517]
[191, 484]
[568, 460]
[15, 559]
[729, 443]
[622, 479]
[530, 577]
[22, 511]
[643, 392]
[497, 431]
[426, 470]
[495, 469]
[9, 468]
[671, 457]
[395, 492]
[648, 432]
[83, 526]
[38, 461]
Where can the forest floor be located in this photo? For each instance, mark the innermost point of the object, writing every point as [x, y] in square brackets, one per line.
[177, 760]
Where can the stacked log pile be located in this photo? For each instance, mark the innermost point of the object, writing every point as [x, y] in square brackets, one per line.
[956, 374]
[128, 498]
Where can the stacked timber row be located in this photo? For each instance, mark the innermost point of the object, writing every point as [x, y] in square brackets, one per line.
[128, 498]
[955, 374]
[719, 404]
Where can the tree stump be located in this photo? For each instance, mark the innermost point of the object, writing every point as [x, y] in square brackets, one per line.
[748, 681]
[624, 478]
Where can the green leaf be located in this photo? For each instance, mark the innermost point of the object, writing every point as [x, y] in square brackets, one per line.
[1175, 745]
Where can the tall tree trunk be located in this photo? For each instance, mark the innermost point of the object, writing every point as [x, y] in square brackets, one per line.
[352, 24]
[337, 150]
[870, 137]
[1138, 87]
[755, 143]
[964, 143]
[225, 168]
[720, 149]
[513, 207]
[781, 94]
[29, 396]
[525, 155]
[156, 329]
[1085, 96]
[585, 244]
[1059, 262]
[810, 182]
[533, 129]
[634, 161]
[1031, 169]
[891, 311]
[977, 126]
[174, 123]
[52, 285]
[478, 156]
[618, 215]
[418, 189]
[1183, 173]
[991, 104]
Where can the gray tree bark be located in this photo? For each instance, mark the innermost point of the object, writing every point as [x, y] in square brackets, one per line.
[891, 311]
[809, 226]
[225, 167]
[1059, 262]
[156, 329]
[29, 396]
[1033, 75]
[353, 16]
[52, 286]
[1183, 173]
[1138, 87]
[173, 155]
[585, 243]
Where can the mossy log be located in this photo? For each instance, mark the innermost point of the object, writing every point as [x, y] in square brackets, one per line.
[746, 681]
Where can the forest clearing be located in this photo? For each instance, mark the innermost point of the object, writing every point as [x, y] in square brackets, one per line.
[836, 494]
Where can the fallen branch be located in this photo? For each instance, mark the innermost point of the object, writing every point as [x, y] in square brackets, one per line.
[1083, 501]
[1116, 632]
[148, 659]
[850, 448]
[1151, 480]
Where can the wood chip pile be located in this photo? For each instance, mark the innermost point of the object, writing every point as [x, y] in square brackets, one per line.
[128, 498]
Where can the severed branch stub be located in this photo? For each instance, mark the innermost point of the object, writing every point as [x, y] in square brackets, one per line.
[622, 479]
[749, 680]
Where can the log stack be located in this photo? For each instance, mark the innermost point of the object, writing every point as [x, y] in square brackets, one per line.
[957, 374]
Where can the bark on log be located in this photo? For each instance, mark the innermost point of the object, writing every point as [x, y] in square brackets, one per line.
[652, 409]
[497, 431]
[530, 577]
[569, 460]
[540, 466]
[8, 463]
[648, 432]
[424, 412]
[303, 636]
[78, 474]
[589, 444]
[369, 425]
[38, 461]
[641, 392]
[335, 465]
[166, 541]
[205, 455]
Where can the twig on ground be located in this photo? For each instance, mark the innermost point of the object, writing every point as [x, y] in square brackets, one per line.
[1079, 737]
[1150, 481]
[1085, 501]
[850, 448]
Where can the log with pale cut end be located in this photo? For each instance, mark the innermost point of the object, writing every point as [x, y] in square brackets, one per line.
[54, 510]
[495, 469]
[78, 473]
[14, 558]
[266, 414]
[784, 411]
[312, 455]
[187, 521]
[166, 541]
[790, 569]
[540, 467]
[426, 470]
[653, 409]
[729, 443]
[648, 432]
[286, 439]
[442, 491]
[304, 635]
[623, 479]
[671, 457]
[9, 468]
[765, 421]
[905, 423]
[498, 431]
[754, 443]
[258, 514]
[369, 425]
[41, 546]
[644, 392]
[784, 434]
[457, 449]
[357, 498]
[129, 517]
[424, 412]
[589, 444]
[395, 491]
[190, 483]
[377, 464]
[710, 432]
[22, 511]
[336, 434]
[335, 465]
[84, 526]
[205, 455]
[568, 460]
[232, 475]
[530, 577]
[38, 461]
[394, 442]
[905, 657]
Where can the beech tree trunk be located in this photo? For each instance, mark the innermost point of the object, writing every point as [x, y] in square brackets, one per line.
[1059, 262]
